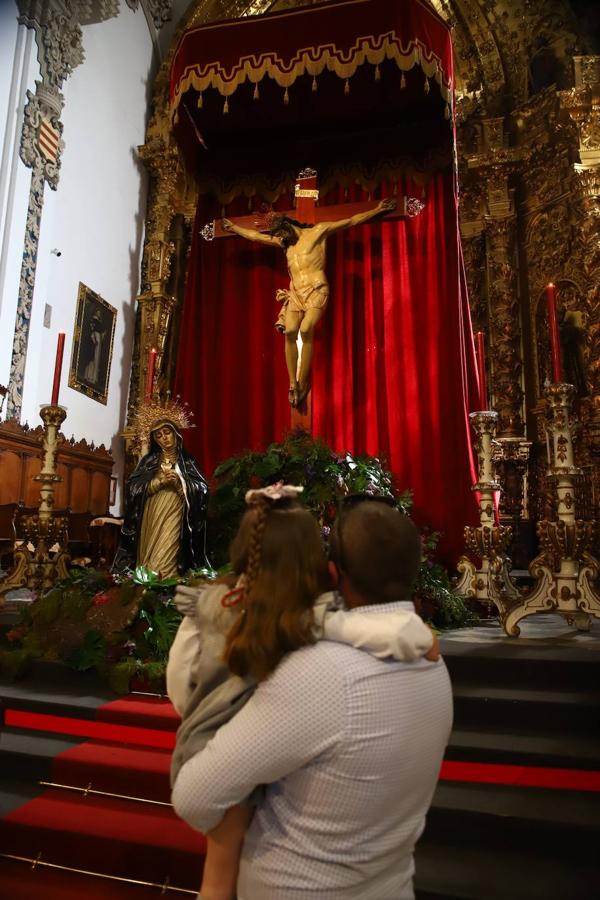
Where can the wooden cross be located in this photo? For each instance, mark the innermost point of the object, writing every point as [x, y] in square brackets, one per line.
[306, 195]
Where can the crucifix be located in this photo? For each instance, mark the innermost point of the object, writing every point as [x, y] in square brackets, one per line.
[302, 233]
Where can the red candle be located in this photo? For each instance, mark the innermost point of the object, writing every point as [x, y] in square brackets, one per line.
[60, 349]
[480, 352]
[553, 328]
[150, 373]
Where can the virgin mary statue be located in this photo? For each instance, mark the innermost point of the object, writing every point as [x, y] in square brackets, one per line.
[165, 504]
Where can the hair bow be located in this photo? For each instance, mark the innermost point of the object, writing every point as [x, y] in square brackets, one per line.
[273, 492]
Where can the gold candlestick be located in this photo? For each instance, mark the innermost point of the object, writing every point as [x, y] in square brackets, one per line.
[490, 582]
[52, 417]
[39, 568]
[564, 569]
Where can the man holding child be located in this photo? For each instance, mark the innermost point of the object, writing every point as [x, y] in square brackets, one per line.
[339, 746]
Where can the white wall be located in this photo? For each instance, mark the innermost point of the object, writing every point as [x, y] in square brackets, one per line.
[96, 220]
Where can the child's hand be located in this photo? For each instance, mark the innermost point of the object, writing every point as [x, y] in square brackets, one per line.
[434, 653]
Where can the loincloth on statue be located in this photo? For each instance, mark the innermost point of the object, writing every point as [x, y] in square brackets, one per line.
[313, 296]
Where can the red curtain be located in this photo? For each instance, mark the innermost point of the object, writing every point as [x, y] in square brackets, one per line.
[393, 354]
[392, 351]
[230, 365]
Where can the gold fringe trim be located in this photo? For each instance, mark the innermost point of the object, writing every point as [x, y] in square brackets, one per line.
[312, 61]
[38, 861]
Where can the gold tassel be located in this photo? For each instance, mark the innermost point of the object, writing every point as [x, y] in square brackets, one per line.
[426, 85]
[286, 97]
[226, 107]
[255, 95]
[377, 73]
[200, 101]
[347, 87]
[314, 84]
[402, 82]
[447, 111]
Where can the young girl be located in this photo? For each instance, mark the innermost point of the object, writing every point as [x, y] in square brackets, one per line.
[234, 634]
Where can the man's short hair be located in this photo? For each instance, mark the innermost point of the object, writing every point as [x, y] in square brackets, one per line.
[378, 548]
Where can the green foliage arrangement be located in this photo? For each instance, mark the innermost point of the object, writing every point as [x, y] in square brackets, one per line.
[326, 477]
[121, 627]
[300, 459]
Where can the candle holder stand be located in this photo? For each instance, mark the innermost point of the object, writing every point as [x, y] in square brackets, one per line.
[490, 582]
[42, 557]
[565, 570]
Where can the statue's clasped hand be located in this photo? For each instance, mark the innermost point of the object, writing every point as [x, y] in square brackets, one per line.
[168, 478]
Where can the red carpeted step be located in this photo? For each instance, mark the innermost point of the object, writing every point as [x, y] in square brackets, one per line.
[107, 731]
[116, 837]
[522, 776]
[19, 882]
[140, 712]
[132, 771]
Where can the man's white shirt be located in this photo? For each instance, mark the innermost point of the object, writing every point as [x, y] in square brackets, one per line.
[349, 747]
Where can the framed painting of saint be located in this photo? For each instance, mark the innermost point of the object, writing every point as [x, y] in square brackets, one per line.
[92, 345]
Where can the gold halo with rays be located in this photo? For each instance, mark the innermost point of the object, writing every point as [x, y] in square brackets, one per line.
[153, 412]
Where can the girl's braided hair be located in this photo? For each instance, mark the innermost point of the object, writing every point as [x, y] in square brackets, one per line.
[260, 513]
[279, 553]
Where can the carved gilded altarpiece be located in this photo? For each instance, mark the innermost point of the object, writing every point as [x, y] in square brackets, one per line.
[528, 123]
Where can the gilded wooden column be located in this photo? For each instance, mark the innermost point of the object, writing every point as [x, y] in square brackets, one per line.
[156, 301]
[494, 165]
[172, 196]
[505, 328]
[582, 106]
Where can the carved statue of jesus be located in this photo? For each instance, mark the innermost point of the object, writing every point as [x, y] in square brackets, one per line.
[306, 299]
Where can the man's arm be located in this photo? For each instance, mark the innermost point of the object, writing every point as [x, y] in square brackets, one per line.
[381, 209]
[287, 723]
[249, 233]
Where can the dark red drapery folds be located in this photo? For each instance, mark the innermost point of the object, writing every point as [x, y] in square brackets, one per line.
[393, 354]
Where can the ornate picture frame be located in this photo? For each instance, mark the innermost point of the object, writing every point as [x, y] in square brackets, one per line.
[94, 333]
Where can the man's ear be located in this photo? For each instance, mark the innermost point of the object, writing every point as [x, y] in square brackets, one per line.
[334, 573]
